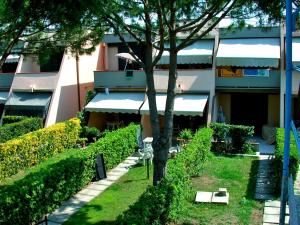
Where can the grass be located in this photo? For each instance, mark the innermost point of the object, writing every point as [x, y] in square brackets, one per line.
[104, 209]
[238, 175]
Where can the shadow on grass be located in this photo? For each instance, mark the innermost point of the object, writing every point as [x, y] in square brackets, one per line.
[252, 179]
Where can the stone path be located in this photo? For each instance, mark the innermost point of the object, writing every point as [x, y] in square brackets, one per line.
[272, 212]
[265, 178]
[84, 196]
[297, 193]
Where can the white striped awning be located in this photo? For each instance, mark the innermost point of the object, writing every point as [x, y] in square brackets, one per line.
[184, 104]
[121, 102]
[296, 51]
[251, 52]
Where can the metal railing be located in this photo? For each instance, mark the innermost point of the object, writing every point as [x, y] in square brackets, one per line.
[287, 188]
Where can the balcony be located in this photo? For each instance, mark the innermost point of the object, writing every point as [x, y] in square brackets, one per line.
[270, 82]
[188, 80]
[35, 81]
[119, 79]
[6, 80]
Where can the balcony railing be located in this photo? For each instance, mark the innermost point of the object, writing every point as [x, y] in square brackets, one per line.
[37, 81]
[271, 81]
[129, 78]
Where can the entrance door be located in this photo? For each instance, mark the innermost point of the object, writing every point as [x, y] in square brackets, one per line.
[249, 109]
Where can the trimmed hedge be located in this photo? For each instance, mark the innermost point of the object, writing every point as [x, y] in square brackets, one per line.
[43, 188]
[278, 161]
[32, 148]
[13, 119]
[13, 129]
[239, 135]
[162, 203]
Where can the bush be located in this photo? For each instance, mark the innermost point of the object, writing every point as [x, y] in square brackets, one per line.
[239, 136]
[33, 148]
[220, 135]
[13, 130]
[164, 202]
[197, 151]
[92, 134]
[43, 188]
[186, 134]
[278, 161]
[220, 131]
[116, 145]
[13, 119]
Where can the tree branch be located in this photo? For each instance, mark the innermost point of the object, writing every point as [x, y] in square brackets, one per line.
[188, 41]
[131, 52]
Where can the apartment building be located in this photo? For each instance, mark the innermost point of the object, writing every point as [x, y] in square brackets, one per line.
[54, 90]
[235, 76]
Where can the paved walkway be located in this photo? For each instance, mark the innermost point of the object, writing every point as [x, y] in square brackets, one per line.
[297, 193]
[265, 178]
[84, 196]
[265, 185]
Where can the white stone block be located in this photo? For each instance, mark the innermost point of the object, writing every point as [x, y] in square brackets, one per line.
[203, 196]
[220, 199]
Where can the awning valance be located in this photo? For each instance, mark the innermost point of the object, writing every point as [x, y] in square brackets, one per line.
[122, 102]
[198, 53]
[296, 51]
[254, 52]
[184, 104]
[28, 103]
[3, 97]
[12, 58]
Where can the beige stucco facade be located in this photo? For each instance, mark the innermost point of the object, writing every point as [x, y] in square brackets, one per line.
[63, 83]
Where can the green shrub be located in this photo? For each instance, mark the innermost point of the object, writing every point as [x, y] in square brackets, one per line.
[33, 148]
[92, 134]
[197, 151]
[186, 134]
[220, 135]
[220, 131]
[13, 130]
[239, 136]
[278, 161]
[164, 202]
[116, 145]
[13, 119]
[43, 188]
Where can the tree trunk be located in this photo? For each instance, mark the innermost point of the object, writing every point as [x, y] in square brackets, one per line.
[161, 155]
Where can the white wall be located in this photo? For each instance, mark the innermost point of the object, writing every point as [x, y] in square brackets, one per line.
[112, 60]
[64, 104]
[28, 64]
[64, 99]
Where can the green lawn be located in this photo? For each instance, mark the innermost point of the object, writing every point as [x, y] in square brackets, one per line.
[105, 208]
[238, 175]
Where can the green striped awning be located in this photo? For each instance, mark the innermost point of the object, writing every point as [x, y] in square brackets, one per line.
[28, 103]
